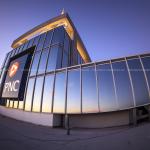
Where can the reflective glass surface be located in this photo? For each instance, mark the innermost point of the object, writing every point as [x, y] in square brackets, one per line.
[58, 36]
[41, 42]
[35, 64]
[123, 86]
[139, 82]
[47, 94]
[29, 94]
[48, 38]
[107, 100]
[43, 61]
[146, 64]
[89, 91]
[73, 92]
[59, 96]
[37, 94]
[65, 59]
[36, 40]
[53, 58]
[30, 43]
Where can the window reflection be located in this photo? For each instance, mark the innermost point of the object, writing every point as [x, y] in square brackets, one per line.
[43, 60]
[35, 64]
[146, 64]
[47, 94]
[58, 36]
[41, 42]
[29, 94]
[123, 86]
[89, 91]
[54, 60]
[48, 38]
[73, 92]
[59, 96]
[107, 98]
[37, 94]
[139, 83]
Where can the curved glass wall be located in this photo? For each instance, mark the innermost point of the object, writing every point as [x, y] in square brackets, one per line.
[123, 86]
[73, 92]
[59, 96]
[89, 91]
[138, 81]
[107, 99]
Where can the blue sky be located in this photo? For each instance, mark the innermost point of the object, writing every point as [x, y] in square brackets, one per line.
[108, 28]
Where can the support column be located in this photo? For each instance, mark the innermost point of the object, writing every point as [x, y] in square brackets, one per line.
[67, 124]
[148, 112]
[134, 116]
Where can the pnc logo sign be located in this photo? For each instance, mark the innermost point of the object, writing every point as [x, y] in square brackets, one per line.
[13, 69]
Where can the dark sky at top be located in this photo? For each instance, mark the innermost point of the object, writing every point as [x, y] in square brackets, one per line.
[108, 28]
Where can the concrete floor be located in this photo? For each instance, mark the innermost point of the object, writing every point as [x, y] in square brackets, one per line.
[16, 135]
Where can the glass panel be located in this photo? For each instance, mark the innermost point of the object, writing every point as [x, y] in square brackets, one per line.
[48, 38]
[30, 43]
[43, 60]
[66, 42]
[36, 40]
[29, 94]
[89, 91]
[25, 45]
[53, 58]
[73, 92]
[41, 42]
[37, 94]
[65, 59]
[35, 64]
[58, 36]
[139, 83]
[59, 97]
[123, 86]
[48, 92]
[107, 98]
[146, 63]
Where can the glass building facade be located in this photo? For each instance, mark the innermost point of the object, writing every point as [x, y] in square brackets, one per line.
[61, 82]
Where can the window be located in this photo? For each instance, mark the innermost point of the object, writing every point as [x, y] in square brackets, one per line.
[37, 94]
[139, 83]
[89, 90]
[146, 64]
[41, 42]
[29, 94]
[58, 36]
[36, 40]
[54, 60]
[30, 43]
[107, 98]
[35, 64]
[73, 92]
[123, 86]
[67, 43]
[43, 60]
[59, 96]
[48, 93]
[65, 59]
[48, 38]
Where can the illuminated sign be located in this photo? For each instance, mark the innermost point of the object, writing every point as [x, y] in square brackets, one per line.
[15, 80]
